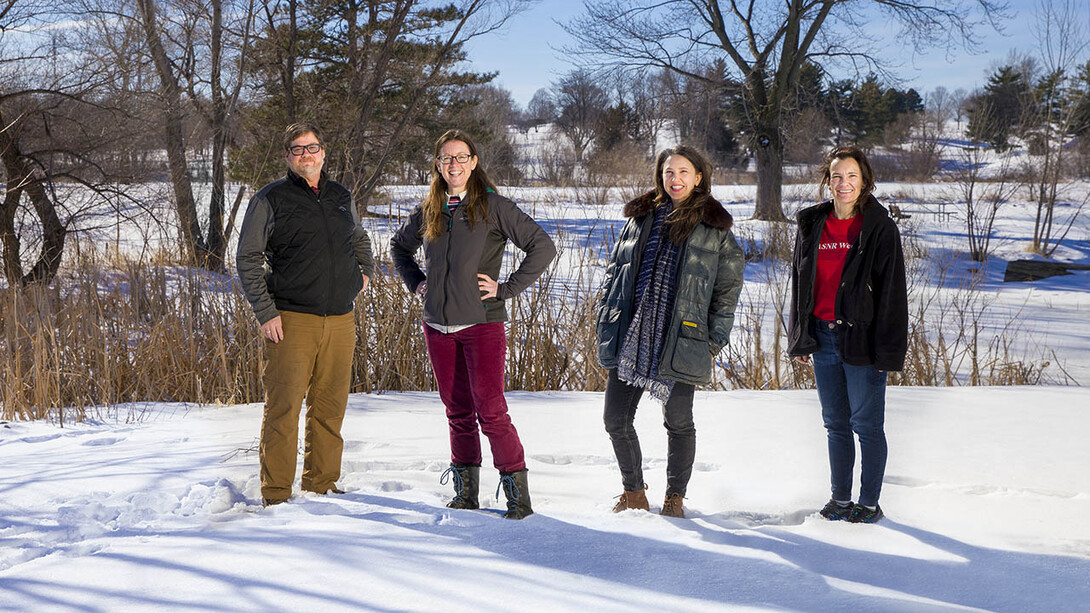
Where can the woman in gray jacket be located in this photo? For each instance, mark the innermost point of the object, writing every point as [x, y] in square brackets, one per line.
[463, 226]
[667, 308]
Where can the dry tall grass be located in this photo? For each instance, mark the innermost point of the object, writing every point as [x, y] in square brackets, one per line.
[108, 333]
[111, 331]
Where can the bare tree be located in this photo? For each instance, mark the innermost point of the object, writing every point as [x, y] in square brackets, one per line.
[486, 111]
[580, 102]
[649, 99]
[42, 95]
[767, 43]
[25, 177]
[982, 200]
[940, 107]
[542, 107]
[181, 69]
[1062, 40]
[959, 100]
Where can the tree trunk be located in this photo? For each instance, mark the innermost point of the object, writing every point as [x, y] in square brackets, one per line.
[217, 244]
[23, 179]
[768, 151]
[53, 233]
[13, 268]
[287, 67]
[192, 240]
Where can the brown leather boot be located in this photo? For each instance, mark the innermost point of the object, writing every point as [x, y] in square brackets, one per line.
[671, 507]
[632, 500]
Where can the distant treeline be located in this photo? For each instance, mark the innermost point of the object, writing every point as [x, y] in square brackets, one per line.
[107, 94]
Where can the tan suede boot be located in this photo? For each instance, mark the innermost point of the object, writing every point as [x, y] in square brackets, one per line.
[632, 500]
[671, 507]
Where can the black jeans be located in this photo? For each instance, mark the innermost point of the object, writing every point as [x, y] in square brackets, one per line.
[620, 414]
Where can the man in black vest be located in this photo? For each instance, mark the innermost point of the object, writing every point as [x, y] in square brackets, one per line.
[302, 258]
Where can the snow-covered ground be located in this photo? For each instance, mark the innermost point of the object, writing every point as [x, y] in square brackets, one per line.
[987, 492]
[987, 496]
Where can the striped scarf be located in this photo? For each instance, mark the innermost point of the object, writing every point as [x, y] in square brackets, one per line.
[656, 288]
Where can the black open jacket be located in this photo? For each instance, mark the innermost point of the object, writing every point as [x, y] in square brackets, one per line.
[872, 302]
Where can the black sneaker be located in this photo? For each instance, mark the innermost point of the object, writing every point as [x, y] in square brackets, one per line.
[836, 511]
[864, 515]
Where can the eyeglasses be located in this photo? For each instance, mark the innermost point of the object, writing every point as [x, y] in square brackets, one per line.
[461, 158]
[298, 150]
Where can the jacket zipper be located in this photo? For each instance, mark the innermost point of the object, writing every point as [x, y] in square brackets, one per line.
[813, 269]
[849, 260]
[329, 249]
[446, 275]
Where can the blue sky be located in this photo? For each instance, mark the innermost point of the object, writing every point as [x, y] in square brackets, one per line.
[526, 52]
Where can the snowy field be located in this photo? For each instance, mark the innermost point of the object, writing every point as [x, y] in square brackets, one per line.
[987, 496]
[987, 492]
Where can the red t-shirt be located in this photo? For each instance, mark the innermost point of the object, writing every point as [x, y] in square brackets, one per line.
[837, 237]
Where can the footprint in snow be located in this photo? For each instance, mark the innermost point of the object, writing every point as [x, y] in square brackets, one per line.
[395, 486]
[102, 442]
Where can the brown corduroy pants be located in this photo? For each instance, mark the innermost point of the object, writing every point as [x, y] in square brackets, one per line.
[314, 360]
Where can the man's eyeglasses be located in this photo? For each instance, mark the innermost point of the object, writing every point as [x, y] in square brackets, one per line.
[461, 158]
[298, 150]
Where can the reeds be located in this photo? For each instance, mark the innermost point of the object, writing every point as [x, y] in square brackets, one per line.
[112, 331]
[107, 333]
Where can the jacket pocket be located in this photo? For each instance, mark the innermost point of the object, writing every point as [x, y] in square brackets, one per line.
[856, 347]
[608, 329]
[692, 353]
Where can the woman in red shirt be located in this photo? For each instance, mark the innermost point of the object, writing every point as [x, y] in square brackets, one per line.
[849, 311]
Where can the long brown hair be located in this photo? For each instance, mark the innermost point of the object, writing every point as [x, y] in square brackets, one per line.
[690, 211]
[865, 170]
[477, 188]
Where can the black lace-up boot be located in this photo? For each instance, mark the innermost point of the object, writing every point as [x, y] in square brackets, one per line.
[467, 479]
[517, 490]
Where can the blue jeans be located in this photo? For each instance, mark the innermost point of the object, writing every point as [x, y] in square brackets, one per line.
[853, 399]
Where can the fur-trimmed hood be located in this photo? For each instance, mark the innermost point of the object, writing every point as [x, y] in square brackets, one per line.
[714, 213]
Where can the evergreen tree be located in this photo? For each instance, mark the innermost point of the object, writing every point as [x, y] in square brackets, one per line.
[1080, 99]
[806, 124]
[617, 125]
[840, 108]
[810, 89]
[900, 102]
[998, 112]
[375, 76]
[873, 110]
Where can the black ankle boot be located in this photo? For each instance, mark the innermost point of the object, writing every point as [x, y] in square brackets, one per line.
[467, 479]
[517, 490]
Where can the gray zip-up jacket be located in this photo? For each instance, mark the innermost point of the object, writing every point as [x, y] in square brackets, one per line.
[453, 260]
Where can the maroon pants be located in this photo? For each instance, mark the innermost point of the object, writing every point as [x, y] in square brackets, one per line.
[468, 367]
